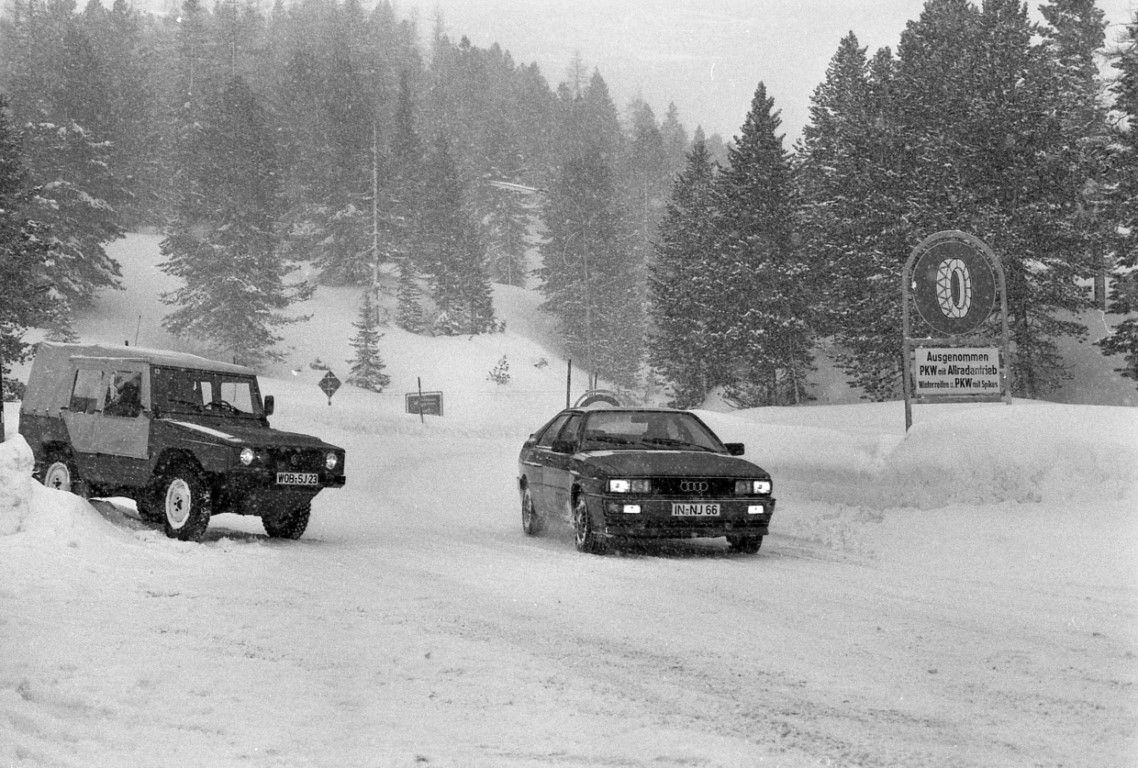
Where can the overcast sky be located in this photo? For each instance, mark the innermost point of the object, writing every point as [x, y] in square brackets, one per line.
[705, 55]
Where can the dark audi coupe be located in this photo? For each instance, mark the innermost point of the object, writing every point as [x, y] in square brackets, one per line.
[636, 473]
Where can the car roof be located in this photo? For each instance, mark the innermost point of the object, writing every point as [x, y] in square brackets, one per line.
[624, 409]
[161, 357]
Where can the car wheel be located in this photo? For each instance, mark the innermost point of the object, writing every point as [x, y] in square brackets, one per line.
[748, 545]
[532, 522]
[186, 504]
[585, 535]
[60, 473]
[148, 506]
[288, 525]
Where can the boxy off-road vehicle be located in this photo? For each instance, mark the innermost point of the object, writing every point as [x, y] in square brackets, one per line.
[184, 436]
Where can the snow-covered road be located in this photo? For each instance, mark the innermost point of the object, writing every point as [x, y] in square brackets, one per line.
[416, 625]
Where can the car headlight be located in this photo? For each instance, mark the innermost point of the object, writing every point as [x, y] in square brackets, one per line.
[641, 485]
[247, 456]
[331, 460]
[752, 487]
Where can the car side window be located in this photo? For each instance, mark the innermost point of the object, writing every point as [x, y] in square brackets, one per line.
[124, 394]
[545, 440]
[86, 390]
[571, 429]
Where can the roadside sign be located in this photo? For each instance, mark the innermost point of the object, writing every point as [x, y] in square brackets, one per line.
[953, 280]
[425, 403]
[329, 384]
[954, 284]
[957, 371]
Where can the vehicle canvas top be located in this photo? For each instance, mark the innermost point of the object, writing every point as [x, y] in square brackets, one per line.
[52, 386]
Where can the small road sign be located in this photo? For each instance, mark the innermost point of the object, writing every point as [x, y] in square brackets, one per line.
[329, 384]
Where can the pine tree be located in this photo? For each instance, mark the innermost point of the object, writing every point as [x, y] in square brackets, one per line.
[78, 202]
[855, 224]
[761, 323]
[675, 141]
[678, 285]
[25, 253]
[223, 244]
[646, 176]
[502, 206]
[980, 109]
[367, 365]
[454, 254]
[591, 279]
[1123, 207]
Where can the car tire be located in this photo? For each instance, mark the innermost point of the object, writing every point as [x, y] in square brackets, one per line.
[748, 545]
[532, 521]
[186, 504]
[585, 535]
[60, 472]
[288, 525]
[148, 506]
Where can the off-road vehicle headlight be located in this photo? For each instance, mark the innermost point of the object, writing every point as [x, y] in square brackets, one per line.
[247, 456]
[331, 460]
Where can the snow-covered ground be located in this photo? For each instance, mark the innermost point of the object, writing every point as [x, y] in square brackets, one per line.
[964, 595]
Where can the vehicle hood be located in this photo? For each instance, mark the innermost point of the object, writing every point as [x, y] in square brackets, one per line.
[664, 463]
[249, 433]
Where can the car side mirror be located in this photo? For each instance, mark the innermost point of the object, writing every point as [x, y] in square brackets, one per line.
[270, 405]
[562, 446]
[736, 449]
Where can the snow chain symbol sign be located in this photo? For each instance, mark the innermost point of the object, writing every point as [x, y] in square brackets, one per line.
[953, 281]
[954, 284]
[329, 384]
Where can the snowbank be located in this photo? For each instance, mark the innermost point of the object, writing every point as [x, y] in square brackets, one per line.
[26, 507]
[959, 454]
[15, 484]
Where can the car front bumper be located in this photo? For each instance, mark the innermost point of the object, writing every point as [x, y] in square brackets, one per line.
[656, 521]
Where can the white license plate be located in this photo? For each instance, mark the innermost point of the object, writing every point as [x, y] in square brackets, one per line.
[297, 478]
[695, 510]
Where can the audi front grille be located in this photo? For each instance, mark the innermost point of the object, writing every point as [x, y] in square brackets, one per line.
[694, 487]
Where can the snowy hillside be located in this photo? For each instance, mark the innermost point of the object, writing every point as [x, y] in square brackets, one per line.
[964, 595]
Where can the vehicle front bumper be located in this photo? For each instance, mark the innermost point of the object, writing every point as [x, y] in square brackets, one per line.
[656, 521]
[254, 491]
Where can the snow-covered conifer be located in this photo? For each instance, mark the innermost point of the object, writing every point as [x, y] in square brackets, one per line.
[367, 365]
[223, 244]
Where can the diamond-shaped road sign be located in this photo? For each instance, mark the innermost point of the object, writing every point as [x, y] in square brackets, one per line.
[329, 384]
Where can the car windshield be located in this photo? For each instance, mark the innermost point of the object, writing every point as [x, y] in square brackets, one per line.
[639, 430]
[192, 392]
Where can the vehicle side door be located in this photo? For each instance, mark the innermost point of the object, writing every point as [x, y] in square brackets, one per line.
[559, 471]
[81, 415]
[535, 459]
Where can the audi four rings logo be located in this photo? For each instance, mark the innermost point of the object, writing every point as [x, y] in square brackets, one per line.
[693, 486]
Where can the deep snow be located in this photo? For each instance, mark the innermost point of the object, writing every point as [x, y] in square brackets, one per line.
[964, 595]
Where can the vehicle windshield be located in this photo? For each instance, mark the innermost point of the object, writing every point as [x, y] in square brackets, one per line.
[639, 430]
[189, 392]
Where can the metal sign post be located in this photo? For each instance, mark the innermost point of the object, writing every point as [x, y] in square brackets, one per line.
[953, 279]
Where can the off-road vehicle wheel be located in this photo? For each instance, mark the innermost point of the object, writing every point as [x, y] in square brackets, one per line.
[149, 506]
[60, 473]
[532, 522]
[186, 503]
[585, 536]
[288, 525]
[748, 545]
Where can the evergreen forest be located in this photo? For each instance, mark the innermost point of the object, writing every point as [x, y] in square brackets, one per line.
[342, 138]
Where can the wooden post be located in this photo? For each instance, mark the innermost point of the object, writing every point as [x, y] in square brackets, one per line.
[419, 380]
[568, 384]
